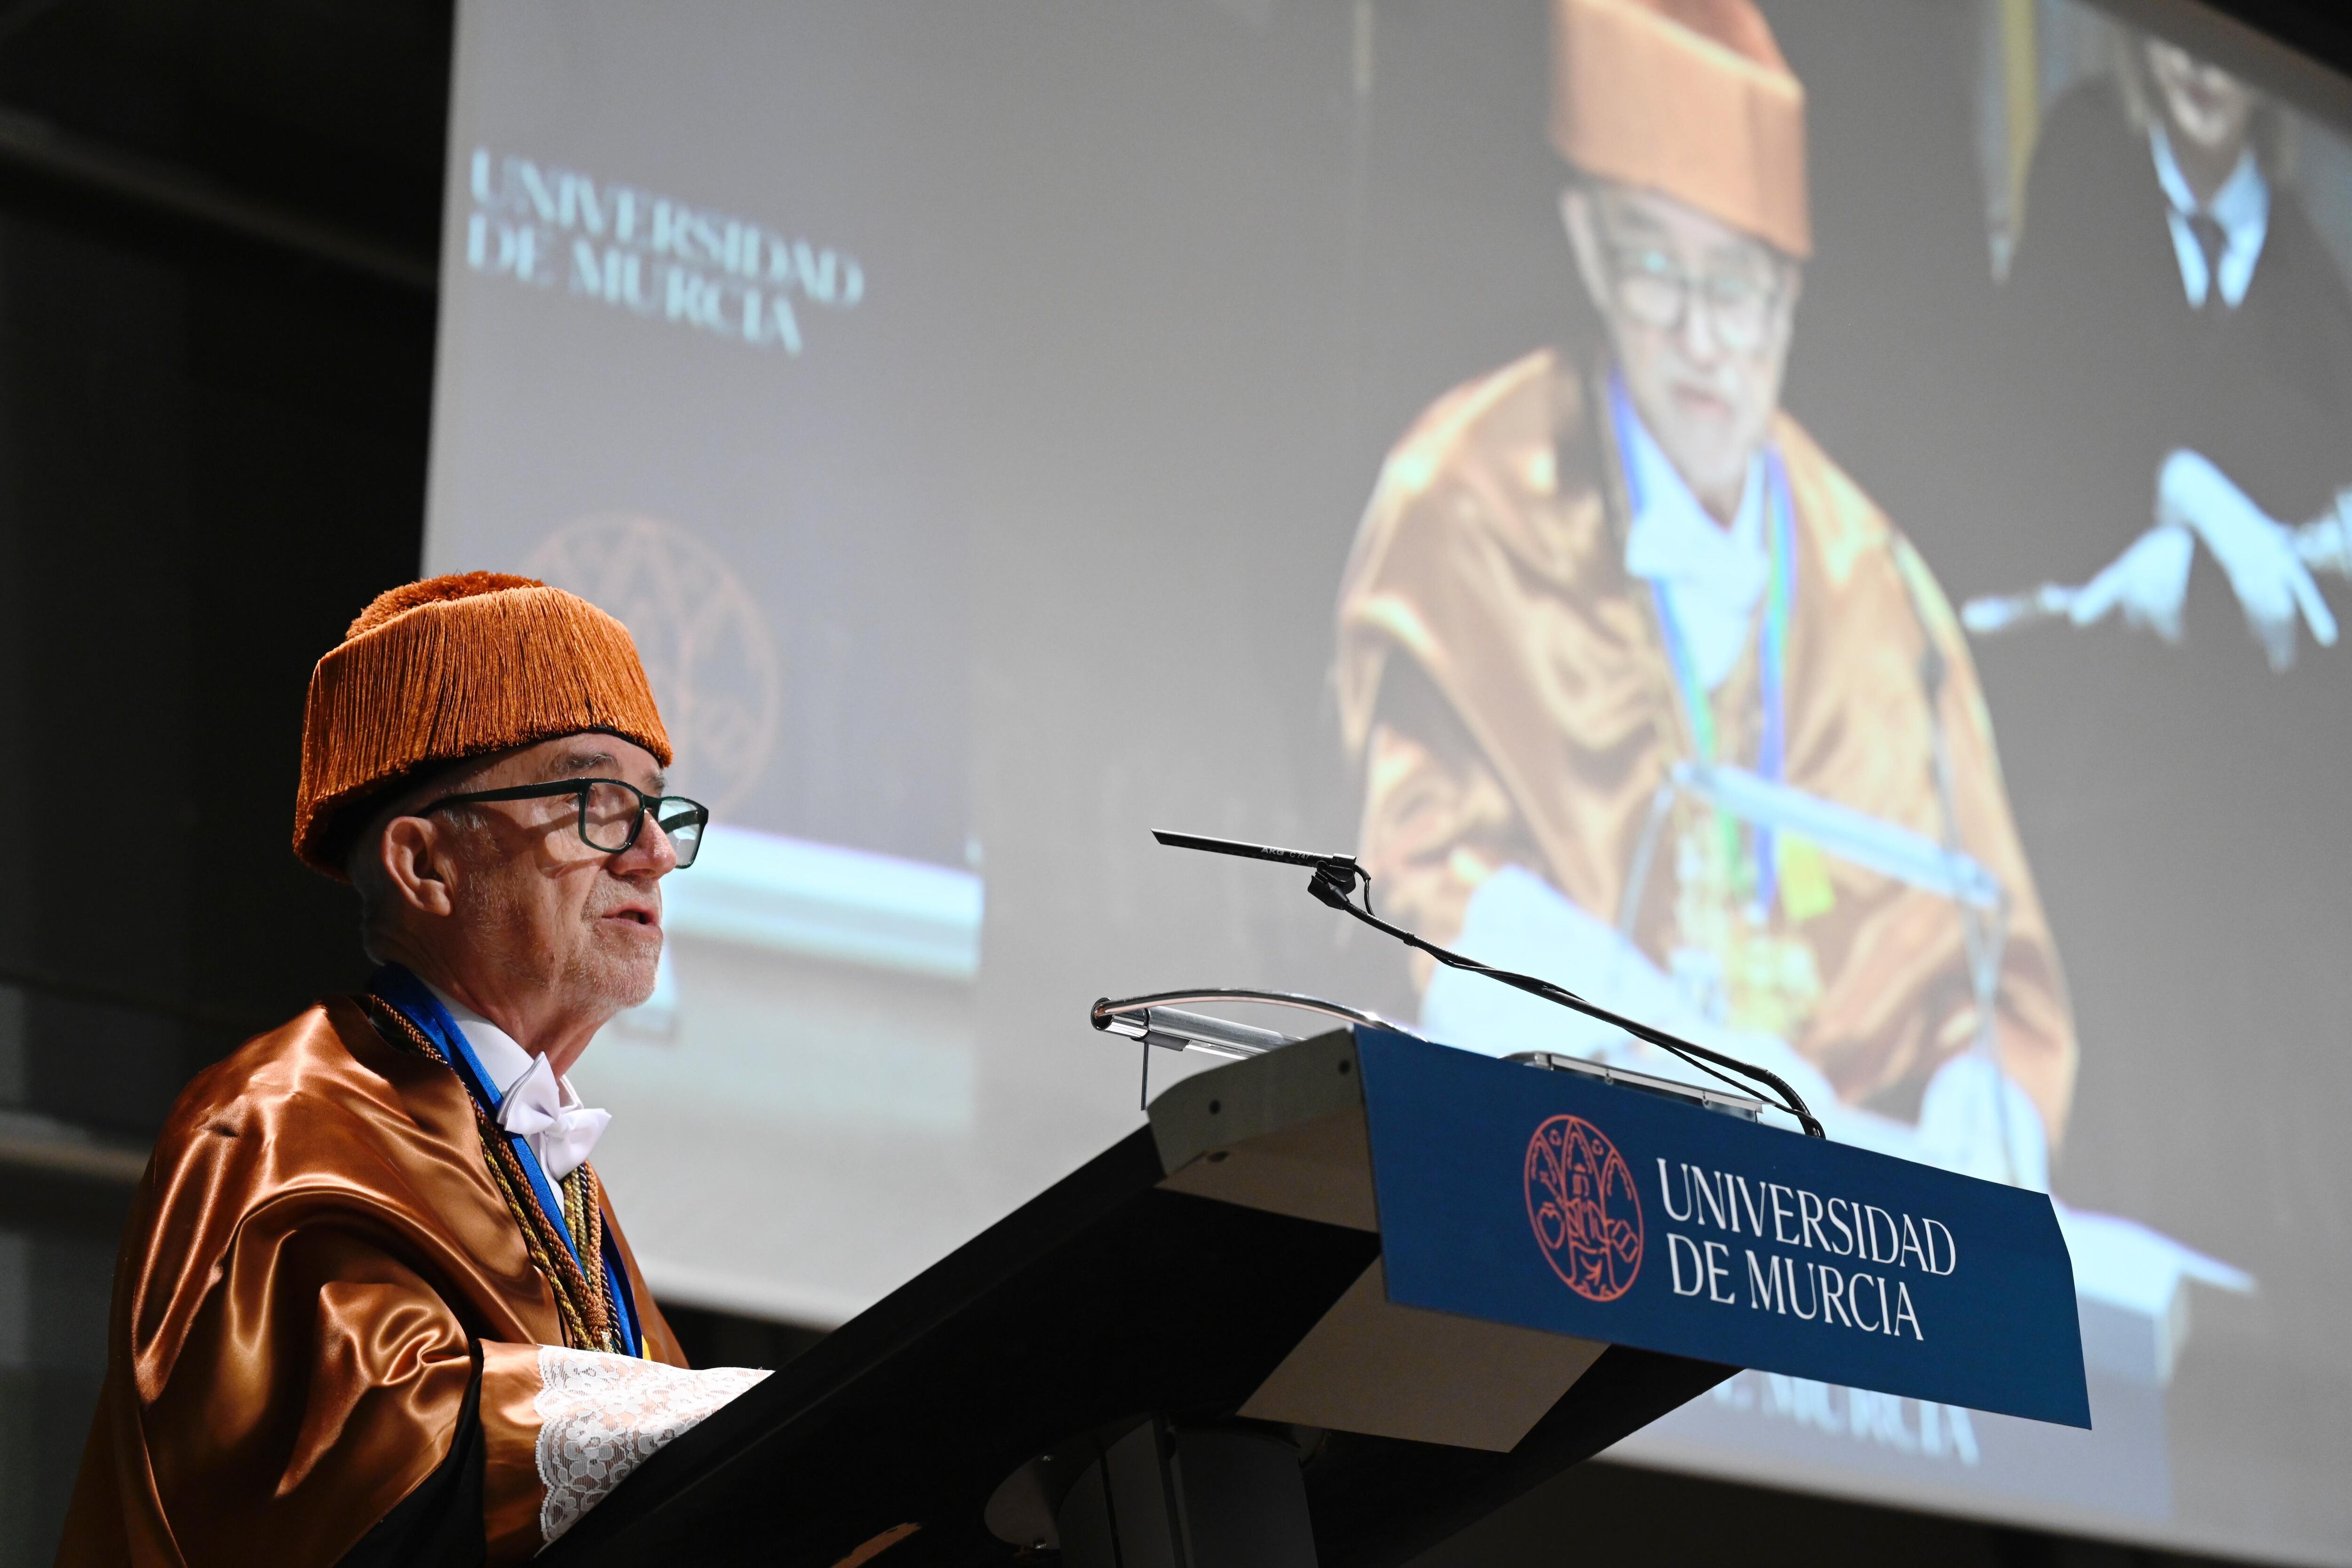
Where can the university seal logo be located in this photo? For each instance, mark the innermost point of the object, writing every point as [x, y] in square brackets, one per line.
[1586, 1214]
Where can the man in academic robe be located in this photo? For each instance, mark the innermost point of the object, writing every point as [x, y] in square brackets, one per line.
[2180, 374]
[1586, 570]
[2178, 415]
[373, 1305]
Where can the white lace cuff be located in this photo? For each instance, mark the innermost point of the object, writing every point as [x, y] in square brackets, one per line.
[601, 1416]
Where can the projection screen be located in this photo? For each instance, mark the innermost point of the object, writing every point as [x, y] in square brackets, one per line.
[1839, 553]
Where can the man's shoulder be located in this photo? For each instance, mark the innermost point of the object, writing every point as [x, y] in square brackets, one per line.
[1498, 463]
[1860, 555]
[1488, 508]
[327, 1062]
[2092, 247]
[279, 1060]
[2090, 124]
[2090, 162]
[1835, 515]
[1509, 418]
[2298, 284]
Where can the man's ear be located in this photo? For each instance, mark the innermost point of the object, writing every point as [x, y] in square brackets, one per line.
[1784, 309]
[417, 864]
[1584, 243]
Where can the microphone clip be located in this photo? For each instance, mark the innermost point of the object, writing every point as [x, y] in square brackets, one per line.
[1336, 879]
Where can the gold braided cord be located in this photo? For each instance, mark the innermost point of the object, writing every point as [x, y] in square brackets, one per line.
[579, 1298]
[571, 1189]
[524, 1206]
[591, 1318]
[583, 1216]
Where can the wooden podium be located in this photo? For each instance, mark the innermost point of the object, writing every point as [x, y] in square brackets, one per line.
[1205, 1348]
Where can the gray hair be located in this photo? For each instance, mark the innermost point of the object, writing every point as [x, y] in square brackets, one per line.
[364, 866]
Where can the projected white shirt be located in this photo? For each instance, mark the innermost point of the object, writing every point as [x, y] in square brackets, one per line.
[1711, 576]
[2243, 209]
[533, 1101]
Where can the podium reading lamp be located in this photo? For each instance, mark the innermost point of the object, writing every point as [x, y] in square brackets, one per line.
[1344, 1295]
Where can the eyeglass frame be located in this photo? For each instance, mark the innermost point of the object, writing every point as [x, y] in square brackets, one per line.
[1688, 286]
[581, 788]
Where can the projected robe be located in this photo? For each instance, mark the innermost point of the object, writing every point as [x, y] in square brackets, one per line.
[1507, 685]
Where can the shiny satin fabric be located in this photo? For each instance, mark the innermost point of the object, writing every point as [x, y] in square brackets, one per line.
[315, 1262]
[1506, 685]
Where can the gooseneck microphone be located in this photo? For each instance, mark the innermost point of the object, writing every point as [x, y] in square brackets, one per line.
[1335, 881]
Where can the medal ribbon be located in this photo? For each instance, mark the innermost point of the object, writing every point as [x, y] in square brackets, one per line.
[1780, 589]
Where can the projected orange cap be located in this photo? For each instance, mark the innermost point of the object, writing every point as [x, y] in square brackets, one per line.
[1689, 98]
[453, 667]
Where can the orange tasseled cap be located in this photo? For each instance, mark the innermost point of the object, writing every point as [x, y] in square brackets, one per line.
[452, 667]
[1690, 98]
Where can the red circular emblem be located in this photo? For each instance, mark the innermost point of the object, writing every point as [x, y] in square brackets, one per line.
[1586, 1214]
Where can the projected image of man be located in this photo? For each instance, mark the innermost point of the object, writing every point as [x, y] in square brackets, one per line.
[2181, 331]
[1595, 566]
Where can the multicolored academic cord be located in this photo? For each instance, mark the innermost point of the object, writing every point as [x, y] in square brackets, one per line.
[1779, 593]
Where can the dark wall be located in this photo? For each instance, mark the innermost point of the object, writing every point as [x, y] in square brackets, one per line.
[217, 227]
[206, 468]
[211, 454]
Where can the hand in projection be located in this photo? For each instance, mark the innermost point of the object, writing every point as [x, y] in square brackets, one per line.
[2147, 582]
[2325, 543]
[2259, 554]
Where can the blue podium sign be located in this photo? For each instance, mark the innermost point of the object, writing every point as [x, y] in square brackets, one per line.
[1552, 1201]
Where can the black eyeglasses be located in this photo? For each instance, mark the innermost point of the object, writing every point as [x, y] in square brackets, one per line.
[612, 814]
[1740, 292]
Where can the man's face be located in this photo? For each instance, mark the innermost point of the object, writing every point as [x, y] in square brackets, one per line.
[2203, 105]
[539, 905]
[1699, 315]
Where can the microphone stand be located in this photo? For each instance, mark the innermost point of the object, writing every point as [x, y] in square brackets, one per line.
[1336, 877]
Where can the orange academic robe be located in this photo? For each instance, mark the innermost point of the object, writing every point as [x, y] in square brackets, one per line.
[1506, 685]
[317, 1267]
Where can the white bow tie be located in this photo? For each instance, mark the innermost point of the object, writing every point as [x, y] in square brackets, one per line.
[559, 1135]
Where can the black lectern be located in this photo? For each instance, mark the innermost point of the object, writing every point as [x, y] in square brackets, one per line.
[1196, 1350]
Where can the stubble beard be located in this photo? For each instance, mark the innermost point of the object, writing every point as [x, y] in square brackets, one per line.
[612, 968]
[599, 969]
